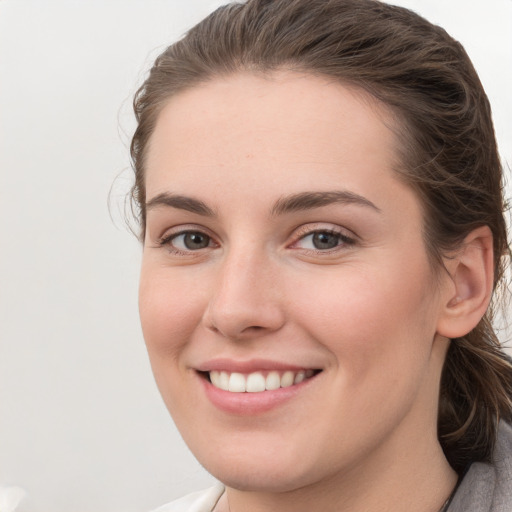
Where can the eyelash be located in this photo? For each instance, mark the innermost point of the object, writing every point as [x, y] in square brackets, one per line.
[166, 241]
[344, 241]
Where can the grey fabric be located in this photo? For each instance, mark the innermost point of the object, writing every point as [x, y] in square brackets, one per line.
[488, 487]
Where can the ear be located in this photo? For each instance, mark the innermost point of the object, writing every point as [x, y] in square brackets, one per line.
[468, 291]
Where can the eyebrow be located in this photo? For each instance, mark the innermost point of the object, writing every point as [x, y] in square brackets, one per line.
[181, 203]
[287, 204]
[310, 200]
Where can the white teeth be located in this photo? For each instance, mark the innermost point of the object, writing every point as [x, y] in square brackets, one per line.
[273, 381]
[256, 382]
[287, 379]
[215, 378]
[224, 381]
[220, 380]
[237, 383]
[299, 377]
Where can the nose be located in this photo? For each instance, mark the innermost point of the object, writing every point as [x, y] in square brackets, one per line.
[245, 302]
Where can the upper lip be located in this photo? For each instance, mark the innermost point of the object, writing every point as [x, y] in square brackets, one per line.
[253, 365]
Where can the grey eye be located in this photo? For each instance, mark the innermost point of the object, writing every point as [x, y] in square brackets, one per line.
[191, 241]
[325, 240]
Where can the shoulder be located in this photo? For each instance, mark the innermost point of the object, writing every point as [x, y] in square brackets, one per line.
[202, 501]
[488, 487]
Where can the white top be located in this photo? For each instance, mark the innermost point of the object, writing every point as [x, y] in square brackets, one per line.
[202, 501]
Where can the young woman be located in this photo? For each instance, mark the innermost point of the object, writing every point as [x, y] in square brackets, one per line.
[320, 205]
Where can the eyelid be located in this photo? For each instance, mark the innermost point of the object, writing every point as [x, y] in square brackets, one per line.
[314, 227]
[348, 237]
[169, 234]
[171, 231]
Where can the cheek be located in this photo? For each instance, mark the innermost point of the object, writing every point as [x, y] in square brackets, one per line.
[169, 316]
[371, 316]
[169, 312]
[380, 344]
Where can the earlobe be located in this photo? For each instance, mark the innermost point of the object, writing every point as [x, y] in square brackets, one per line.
[469, 293]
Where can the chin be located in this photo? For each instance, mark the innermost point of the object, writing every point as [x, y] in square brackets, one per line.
[270, 478]
[276, 468]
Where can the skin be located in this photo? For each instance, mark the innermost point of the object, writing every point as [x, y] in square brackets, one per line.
[361, 435]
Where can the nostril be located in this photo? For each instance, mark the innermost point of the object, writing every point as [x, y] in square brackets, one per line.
[241, 319]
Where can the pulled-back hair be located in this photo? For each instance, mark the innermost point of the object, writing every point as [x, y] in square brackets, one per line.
[447, 149]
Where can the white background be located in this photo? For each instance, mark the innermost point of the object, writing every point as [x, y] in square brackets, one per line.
[82, 427]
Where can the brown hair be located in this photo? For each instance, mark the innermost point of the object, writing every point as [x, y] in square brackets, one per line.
[448, 149]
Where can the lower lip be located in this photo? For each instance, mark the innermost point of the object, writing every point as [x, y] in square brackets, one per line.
[246, 404]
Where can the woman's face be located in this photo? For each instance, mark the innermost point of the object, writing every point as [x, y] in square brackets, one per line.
[282, 248]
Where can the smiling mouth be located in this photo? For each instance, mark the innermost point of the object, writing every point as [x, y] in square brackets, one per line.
[257, 382]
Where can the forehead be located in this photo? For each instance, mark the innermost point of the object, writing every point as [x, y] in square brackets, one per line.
[274, 127]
